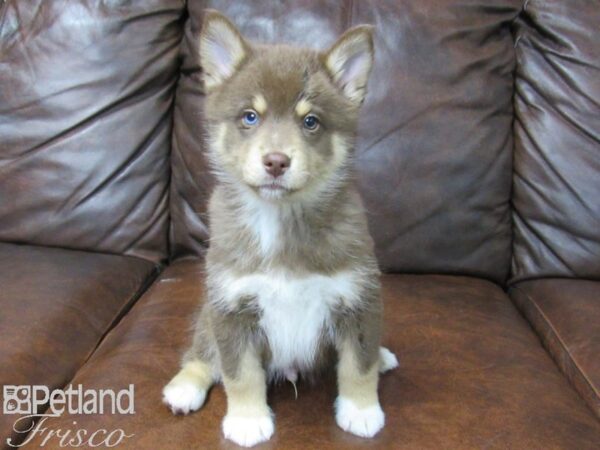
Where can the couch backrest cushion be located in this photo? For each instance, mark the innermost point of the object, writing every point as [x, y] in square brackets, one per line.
[435, 142]
[557, 141]
[86, 91]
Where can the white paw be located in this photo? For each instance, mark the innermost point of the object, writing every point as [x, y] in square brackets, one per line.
[183, 397]
[361, 422]
[248, 431]
[387, 360]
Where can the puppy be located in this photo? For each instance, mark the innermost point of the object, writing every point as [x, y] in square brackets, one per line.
[291, 272]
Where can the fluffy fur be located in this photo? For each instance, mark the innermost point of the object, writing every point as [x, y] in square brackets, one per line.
[291, 274]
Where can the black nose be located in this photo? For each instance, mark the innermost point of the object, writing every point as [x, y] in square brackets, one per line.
[276, 163]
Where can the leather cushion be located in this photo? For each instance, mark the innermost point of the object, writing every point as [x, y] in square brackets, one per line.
[566, 315]
[472, 375]
[434, 148]
[557, 141]
[55, 307]
[86, 90]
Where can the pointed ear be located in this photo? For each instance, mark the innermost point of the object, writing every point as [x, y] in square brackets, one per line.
[222, 49]
[349, 61]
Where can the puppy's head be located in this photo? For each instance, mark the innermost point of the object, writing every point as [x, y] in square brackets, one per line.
[282, 119]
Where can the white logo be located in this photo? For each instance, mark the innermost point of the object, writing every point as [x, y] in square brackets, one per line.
[29, 401]
[74, 400]
[17, 400]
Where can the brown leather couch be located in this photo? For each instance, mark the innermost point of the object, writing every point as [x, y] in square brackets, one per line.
[478, 158]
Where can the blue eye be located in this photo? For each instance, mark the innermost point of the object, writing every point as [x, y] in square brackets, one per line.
[250, 118]
[311, 122]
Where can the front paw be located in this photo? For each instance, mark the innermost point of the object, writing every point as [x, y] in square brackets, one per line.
[364, 422]
[248, 431]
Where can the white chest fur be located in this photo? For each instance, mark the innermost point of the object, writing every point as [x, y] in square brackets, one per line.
[295, 310]
[263, 219]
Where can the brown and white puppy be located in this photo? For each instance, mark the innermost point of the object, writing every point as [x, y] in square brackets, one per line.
[291, 272]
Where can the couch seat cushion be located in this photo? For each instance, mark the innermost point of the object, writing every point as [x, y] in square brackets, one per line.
[472, 375]
[55, 307]
[566, 315]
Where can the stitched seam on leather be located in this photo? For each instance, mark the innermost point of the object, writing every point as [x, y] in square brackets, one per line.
[554, 332]
[350, 13]
[122, 312]
[510, 275]
[520, 13]
[3, 9]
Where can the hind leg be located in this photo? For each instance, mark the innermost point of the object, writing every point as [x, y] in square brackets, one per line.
[387, 360]
[187, 390]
